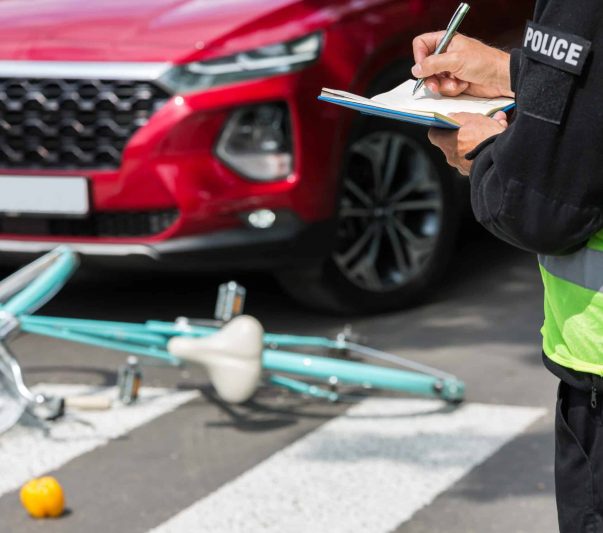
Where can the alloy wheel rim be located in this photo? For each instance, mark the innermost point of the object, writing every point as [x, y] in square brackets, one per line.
[390, 212]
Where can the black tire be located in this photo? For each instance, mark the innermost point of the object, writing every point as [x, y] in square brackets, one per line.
[425, 229]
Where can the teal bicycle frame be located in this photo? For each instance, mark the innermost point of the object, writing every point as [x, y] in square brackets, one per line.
[25, 291]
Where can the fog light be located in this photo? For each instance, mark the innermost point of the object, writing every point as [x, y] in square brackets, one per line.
[256, 142]
[261, 218]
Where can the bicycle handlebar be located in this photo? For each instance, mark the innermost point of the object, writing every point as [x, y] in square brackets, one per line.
[32, 286]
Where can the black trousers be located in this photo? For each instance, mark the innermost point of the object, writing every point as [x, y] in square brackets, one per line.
[579, 460]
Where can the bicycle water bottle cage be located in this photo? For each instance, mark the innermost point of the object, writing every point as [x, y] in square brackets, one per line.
[232, 357]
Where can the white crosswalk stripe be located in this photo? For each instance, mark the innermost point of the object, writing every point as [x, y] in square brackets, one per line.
[368, 470]
[25, 452]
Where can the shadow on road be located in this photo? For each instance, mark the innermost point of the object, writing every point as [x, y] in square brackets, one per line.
[486, 278]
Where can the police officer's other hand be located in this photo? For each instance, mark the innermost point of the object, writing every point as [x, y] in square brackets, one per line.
[467, 66]
[475, 129]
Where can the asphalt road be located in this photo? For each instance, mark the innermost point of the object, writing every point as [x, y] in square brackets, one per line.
[482, 324]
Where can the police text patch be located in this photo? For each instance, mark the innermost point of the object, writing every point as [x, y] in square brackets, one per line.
[555, 48]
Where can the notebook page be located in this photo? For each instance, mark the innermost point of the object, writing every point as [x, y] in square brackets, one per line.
[348, 96]
[344, 96]
[402, 98]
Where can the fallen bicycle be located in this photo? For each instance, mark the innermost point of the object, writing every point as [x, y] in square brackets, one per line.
[236, 352]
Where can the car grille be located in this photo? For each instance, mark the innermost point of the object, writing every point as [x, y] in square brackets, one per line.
[71, 124]
[120, 224]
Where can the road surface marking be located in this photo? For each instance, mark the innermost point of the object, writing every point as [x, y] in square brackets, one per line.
[368, 470]
[25, 452]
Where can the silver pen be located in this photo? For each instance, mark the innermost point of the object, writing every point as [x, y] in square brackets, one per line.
[453, 26]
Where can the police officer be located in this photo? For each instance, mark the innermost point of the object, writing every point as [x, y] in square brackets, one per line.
[537, 183]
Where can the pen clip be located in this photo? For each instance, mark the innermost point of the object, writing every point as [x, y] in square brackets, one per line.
[456, 14]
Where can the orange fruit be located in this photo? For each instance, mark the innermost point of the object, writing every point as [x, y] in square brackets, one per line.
[43, 497]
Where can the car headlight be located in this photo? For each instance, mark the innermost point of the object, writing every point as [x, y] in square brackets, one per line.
[256, 142]
[261, 62]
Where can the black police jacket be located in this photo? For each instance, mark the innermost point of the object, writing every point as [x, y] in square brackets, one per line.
[539, 184]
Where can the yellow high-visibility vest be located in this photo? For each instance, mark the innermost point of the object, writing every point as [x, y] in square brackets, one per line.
[573, 307]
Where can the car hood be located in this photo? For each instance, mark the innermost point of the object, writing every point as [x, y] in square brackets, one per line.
[168, 30]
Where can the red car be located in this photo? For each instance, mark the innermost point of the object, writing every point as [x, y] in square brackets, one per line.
[187, 133]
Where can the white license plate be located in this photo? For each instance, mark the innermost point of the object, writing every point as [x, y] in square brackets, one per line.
[40, 195]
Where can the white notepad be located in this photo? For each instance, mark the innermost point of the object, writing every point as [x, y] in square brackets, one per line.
[425, 108]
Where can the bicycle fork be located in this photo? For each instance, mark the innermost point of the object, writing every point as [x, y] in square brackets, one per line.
[39, 405]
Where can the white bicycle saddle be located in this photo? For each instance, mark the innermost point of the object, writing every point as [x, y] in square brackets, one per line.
[232, 356]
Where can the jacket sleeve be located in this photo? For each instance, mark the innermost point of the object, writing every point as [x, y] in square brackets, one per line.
[539, 184]
[514, 64]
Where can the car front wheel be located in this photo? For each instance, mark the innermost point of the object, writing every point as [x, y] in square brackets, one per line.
[397, 222]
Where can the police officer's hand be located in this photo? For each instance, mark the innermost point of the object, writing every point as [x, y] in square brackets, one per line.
[467, 66]
[475, 128]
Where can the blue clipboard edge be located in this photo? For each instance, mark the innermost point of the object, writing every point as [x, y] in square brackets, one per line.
[509, 107]
[395, 115]
[399, 115]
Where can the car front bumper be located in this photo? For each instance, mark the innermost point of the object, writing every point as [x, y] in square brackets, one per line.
[169, 167]
[289, 243]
